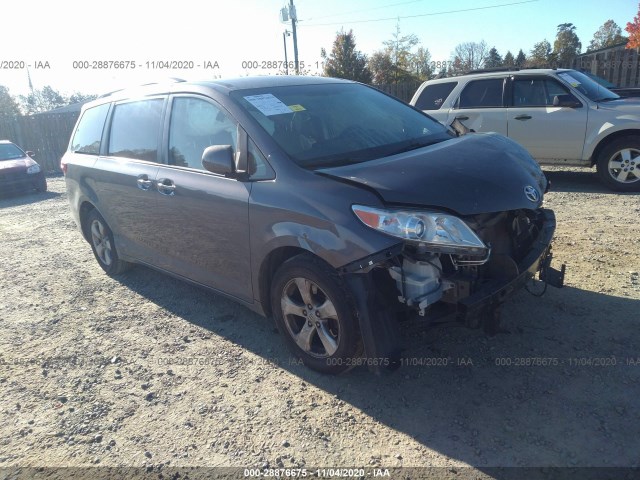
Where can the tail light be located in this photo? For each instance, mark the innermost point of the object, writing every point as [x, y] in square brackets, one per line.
[63, 166]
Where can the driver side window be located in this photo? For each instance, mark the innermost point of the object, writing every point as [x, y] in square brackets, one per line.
[195, 125]
[536, 92]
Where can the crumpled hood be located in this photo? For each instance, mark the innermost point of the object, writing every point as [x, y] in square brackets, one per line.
[472, 174]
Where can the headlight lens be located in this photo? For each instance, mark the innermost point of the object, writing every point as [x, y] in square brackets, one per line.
[441, 232]
[33, 169]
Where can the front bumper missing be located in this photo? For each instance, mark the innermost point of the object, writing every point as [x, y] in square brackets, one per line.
[494, 293]
[378, 326]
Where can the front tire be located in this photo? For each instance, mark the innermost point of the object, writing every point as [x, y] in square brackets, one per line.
[42, 187]
[103, 246]
[312, 309]
[618, 164]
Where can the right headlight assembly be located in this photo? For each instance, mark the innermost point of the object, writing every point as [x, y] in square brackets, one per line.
[440, 232]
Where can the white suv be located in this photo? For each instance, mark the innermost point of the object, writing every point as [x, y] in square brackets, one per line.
[561, 116]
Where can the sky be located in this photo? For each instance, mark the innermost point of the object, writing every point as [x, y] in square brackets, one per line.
[55, 41]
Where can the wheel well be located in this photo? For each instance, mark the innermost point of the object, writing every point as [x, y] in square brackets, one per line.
[85, 209]
[607, 140]
[268, 269]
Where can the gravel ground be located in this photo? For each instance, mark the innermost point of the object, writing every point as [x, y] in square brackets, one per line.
[146, 371]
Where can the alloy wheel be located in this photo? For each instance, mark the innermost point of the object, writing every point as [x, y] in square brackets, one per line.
[101, 242]
[624, 165]
[310, 317]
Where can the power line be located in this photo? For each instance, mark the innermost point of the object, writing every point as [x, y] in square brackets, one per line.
[416, 16]
[361, 10]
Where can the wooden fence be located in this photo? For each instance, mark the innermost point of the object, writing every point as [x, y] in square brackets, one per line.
[404, 91]
[618, 65]
[46, 134]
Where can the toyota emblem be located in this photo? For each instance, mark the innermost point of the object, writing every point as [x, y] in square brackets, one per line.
[531, 193]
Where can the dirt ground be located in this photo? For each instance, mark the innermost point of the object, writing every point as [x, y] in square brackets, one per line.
[147, 371]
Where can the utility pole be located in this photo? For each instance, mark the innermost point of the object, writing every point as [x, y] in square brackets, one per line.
[285, 34]
[29, 78]
[294, 20]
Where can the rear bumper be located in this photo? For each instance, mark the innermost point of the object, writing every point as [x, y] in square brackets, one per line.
[539, 259]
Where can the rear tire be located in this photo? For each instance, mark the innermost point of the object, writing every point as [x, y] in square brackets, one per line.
[312, 310]
[103, 246]
[618, 164]
[42, 187]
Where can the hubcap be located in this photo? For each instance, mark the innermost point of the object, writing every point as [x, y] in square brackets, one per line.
[101, 242]
[622, 165]
[310, 317]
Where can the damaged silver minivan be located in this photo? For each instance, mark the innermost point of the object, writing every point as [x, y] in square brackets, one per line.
[325, 204]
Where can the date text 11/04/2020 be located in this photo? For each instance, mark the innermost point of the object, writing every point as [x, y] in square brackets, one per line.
[147, 64]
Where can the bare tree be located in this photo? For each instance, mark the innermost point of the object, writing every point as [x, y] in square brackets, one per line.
[470, 56]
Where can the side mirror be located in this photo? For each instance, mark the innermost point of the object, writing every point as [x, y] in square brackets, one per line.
[30, 153]
[566, 101]
[218, 159]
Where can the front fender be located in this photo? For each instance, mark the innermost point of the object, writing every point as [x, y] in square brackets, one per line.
[597, 132]
[315, 218]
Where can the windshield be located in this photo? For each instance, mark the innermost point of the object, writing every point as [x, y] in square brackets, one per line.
[334, 124]
[593, 90]
[8, 151]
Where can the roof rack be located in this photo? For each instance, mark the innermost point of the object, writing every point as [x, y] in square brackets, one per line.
[171, 80]
[508, 69]
[494, 69]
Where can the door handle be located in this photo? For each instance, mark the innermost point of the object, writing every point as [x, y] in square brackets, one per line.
[523, 117]
[143, 182]
[462, 117]
[166, 186]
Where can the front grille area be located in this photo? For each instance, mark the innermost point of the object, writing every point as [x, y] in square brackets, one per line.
[13, 176]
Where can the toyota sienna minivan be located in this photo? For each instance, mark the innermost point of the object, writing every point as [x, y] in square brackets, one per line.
[326, 204]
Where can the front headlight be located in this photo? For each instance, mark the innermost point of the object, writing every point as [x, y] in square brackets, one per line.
[441, 232]
[33, 169]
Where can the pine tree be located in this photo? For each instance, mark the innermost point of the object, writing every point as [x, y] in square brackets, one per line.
[345, 61]
[509, 61]
[494, 59]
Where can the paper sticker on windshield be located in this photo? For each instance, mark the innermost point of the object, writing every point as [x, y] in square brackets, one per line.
[268, 104]
[296, 108]
[570, 80]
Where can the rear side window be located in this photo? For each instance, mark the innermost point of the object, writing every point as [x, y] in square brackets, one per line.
[433, 96]
[89, 132]
[135, 130]
[482, 94]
